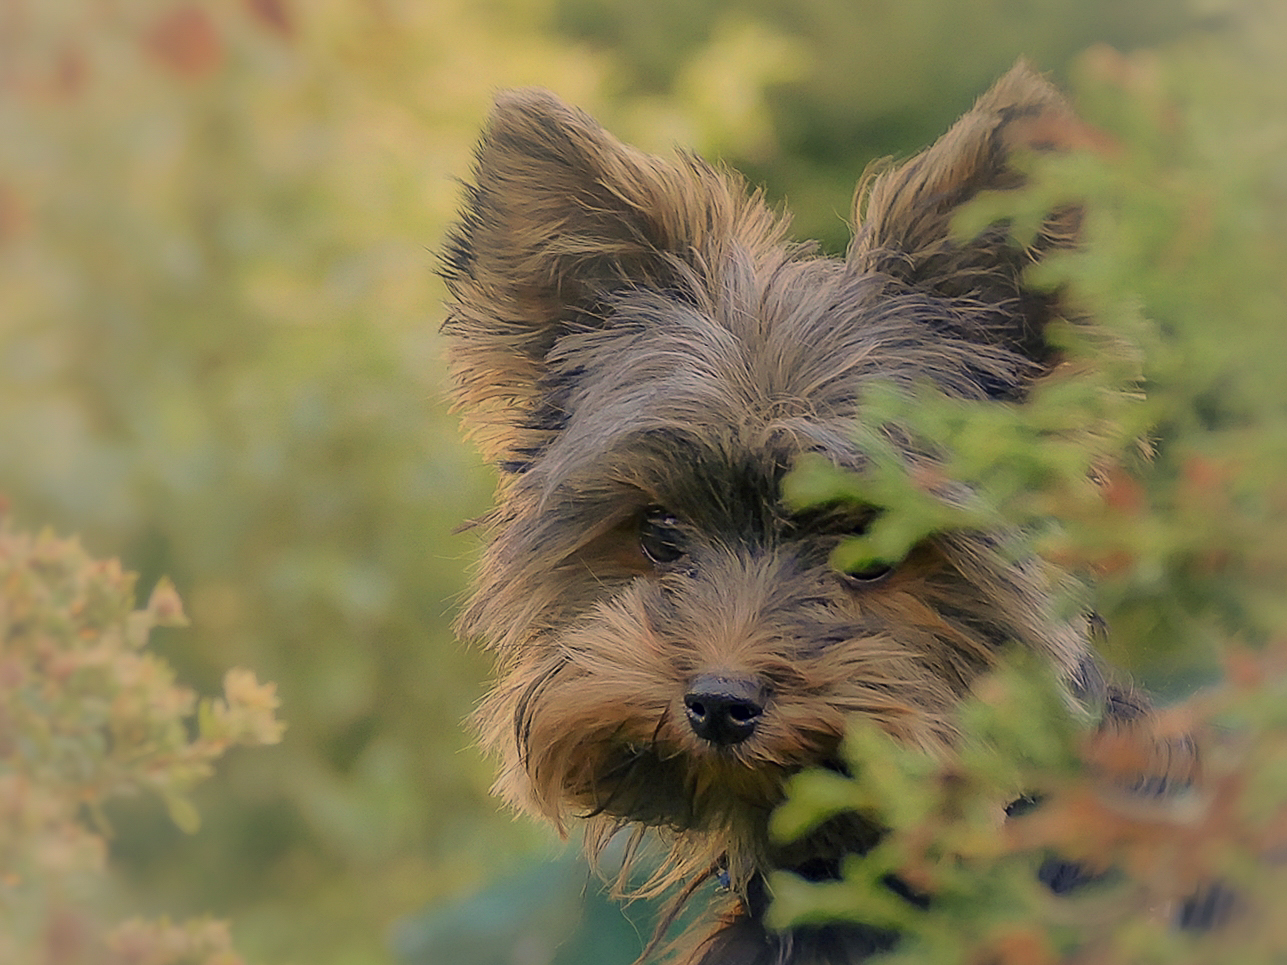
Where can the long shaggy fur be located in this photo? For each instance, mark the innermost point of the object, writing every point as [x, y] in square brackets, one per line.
[634, 341]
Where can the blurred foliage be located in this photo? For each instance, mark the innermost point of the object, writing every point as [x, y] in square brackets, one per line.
[218, 351]
[555, 913]
[1181, 544]
[1148, 861]
[219, 361]
[837, 83]
[87, 715]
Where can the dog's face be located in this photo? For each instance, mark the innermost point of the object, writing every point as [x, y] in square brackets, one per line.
[646, 359]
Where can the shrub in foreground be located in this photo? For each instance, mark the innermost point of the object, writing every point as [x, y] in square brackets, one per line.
[88, 714]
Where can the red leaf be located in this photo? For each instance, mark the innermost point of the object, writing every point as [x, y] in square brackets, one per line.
[13, 219]
[1122, 492]
[185, 40]
[72, 72]
[273, 15]
[1020, 946]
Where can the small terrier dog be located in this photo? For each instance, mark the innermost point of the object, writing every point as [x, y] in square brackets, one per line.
[643, 353]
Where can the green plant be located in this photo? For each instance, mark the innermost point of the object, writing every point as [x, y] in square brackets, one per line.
[88, 714]
[1149, 466]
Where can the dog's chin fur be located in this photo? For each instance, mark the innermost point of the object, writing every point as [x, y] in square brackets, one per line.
[645, 358]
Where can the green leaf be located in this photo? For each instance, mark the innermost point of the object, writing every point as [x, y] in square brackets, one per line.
[182, 811]
[813, 797]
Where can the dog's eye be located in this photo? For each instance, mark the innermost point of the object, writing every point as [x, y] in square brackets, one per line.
[868, 574]
[659, 536]
[873, 572]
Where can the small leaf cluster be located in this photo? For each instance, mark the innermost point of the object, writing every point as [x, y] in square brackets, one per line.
[1034, 787]
[947, 830]
[88, 714]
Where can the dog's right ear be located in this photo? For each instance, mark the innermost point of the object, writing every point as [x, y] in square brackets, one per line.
[560, 215]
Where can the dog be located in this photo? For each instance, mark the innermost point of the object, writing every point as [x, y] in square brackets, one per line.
[644, 354]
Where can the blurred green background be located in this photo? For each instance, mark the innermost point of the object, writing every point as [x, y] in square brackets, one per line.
[219, 360]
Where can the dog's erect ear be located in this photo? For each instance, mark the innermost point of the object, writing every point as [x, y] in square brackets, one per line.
[904, 214]
[558, 217]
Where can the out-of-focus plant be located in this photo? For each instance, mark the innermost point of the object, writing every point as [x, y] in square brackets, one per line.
[218, 223]
[1151, 464]
[1156, 867]
[802, 94]
[88, 714]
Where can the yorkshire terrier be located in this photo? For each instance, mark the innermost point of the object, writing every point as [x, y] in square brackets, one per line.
[645, 356]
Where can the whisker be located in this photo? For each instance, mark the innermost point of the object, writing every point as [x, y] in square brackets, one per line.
[674, 908]
[522, 710]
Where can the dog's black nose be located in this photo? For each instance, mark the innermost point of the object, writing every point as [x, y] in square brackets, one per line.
[724, 710]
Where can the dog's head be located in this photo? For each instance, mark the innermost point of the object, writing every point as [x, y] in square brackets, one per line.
[645, 357]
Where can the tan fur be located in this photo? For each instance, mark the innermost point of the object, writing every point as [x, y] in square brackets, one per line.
[633, 339]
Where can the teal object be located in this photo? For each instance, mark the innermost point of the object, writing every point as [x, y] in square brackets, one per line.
[556, 913]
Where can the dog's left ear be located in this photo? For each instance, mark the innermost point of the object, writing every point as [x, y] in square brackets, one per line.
[904, 215]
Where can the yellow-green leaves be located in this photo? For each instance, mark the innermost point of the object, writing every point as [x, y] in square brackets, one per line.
[1150, 462]
[87, 714]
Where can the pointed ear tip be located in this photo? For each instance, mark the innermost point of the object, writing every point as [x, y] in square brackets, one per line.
[1024, 67]
[533, 121]
[526, 100]
[519, 108]
[1023, 86]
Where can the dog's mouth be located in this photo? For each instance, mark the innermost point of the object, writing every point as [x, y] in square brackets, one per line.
[655, 786]
[652, 765]
[639, 783]
[659, 786]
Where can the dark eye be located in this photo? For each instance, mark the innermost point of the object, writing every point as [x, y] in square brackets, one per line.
[868, 574]
[659, 536]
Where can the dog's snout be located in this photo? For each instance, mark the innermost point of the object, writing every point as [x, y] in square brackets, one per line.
[724, 710]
